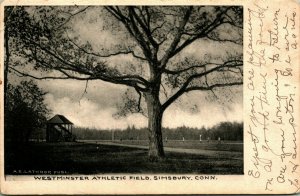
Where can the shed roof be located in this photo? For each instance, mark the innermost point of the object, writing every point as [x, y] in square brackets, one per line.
[59, 119]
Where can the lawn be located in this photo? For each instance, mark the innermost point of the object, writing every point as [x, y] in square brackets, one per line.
[235, 146]
[82, 158]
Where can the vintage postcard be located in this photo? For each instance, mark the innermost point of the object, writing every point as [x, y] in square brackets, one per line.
[150, 97]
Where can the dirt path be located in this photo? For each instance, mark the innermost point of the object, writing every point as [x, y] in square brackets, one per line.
[211, 153]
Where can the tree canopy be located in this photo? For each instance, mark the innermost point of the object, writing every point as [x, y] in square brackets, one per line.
[156, 37]
[25, 111]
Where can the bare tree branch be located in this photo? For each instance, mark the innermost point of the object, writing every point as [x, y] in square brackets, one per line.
[164, 91]
[130, 80]
[85, 89]
[107, 55]
[130, 24]
[174, 72]
[23, 74]
[183, 88]
[140, 99]
[144, 28]
[116, 12]
[212, 86]
[206, 82]
[176, 40]
[70, 17]
[158, 27]
[203, 33]
[238, 41]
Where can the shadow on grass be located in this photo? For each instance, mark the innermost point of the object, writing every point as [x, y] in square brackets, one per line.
[82, 158]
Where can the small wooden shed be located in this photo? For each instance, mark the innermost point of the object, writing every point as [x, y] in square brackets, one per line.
[59, 129]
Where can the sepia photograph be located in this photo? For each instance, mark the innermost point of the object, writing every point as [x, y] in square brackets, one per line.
[149, 97]
[123, 90]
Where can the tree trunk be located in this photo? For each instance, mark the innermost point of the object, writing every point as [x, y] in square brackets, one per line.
[156, 149]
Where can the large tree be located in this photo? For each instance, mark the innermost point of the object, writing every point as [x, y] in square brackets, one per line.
[14, 18]
[25, 111]
[146, 51]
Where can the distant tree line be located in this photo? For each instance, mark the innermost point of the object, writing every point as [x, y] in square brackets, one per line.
[225, 131]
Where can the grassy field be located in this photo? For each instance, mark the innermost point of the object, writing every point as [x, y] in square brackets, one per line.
[234, 146]
[82, 158]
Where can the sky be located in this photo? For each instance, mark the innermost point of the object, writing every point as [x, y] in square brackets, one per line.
[95, 107]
